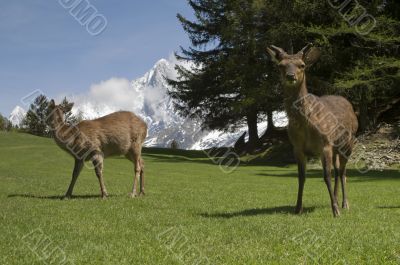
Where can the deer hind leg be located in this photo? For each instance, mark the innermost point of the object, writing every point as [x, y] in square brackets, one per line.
[98, 161]
[135, 157]
[336, 166]
[343, 163]
[77, 170]
[327, 166]
[141, 177]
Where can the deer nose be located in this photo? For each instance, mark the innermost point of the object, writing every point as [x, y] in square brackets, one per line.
[291, 77]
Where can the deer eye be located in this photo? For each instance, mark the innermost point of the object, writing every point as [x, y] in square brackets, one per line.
[302, 66]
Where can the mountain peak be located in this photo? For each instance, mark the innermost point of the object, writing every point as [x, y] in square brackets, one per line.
[161, 70]
[17, 109]
[162, 62]
[17, 116]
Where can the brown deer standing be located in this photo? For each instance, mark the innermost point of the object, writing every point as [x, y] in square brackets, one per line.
[324, 126]
[120, 133]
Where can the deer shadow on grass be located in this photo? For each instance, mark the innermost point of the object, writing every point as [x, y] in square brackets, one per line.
[257, 211]
[352, 174]
[55, 197]
[388, 207]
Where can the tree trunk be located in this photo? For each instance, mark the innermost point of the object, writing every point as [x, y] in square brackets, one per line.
[271, 126]
[253, 131]
[363, 119]
[271, 129]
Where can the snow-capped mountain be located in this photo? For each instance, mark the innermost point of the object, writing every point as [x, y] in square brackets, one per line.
[147, 97]
[17, 116]
[217, 138]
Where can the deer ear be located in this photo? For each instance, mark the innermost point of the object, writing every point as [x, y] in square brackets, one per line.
[311, 56]
[274, 55]
[68, 107]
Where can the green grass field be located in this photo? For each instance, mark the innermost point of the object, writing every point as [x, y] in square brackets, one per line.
[192, 212]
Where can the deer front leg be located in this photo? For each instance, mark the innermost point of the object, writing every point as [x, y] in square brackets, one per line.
[327, 166]
[336, 166]
[77, 170]
[98, 167]
[301, 165]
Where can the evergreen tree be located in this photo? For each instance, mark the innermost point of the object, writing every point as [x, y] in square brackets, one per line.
[360, 64]
[4, 123]
[67, 108]
[234, 81]
[174, 145]
[35, 120]
[229, 85]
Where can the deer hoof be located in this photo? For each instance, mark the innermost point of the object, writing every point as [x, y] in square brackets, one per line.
[132, 195]
[142, 193]
[299, 210]
[346, 206]
[66, 198]
[336, 212]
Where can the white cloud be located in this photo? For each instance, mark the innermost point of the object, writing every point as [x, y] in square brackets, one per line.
[108, 96]
[117, 92]
[147, 97]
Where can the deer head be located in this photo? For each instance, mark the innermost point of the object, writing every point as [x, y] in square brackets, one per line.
[55, 115]
[292, 67]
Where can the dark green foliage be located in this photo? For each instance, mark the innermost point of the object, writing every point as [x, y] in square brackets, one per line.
[235, 81]
[362, 67]
[230, 86]
[67, 108]
[174, 145]
[5, 124]
[37, 120]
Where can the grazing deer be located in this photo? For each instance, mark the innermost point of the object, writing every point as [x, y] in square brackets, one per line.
[120, 133]
[324, 126]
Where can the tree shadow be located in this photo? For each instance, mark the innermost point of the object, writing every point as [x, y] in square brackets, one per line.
[178, 159]
[287, 173]
[374, 175]
[352, 174]
[55, 197]
[257, 211]
[174, 152]
[388, 207]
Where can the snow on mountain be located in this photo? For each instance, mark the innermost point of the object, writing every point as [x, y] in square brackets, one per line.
[217, 138]
[17, 116]
[147, 97]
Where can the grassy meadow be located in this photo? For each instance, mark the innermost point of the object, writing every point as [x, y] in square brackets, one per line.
[192, 213]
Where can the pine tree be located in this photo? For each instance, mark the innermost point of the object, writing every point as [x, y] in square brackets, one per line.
[370, 68]
[234, 81]
[229, 85]
[35, 120]
[361, 65]
[4, 123]
[67, 108]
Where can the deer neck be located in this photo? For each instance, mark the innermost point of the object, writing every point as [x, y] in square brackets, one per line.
[296, 101]
[61, 131]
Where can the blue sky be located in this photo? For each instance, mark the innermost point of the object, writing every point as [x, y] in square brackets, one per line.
[43, 47]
